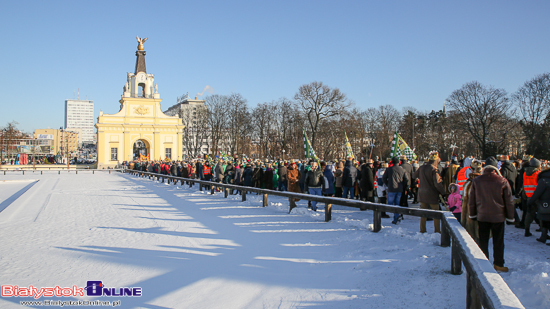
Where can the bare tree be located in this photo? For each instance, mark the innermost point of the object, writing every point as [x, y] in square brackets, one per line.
[319, 102]
[261, 115]
[238, 124]
[196, 130]
[480, 109]
[533, 102]
[217, 120]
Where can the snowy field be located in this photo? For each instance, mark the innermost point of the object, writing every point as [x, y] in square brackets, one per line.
[187, 249]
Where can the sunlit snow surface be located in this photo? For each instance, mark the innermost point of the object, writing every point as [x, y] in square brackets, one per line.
[188, 249]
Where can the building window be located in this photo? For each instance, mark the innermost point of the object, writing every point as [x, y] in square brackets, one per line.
[169, 153]
[114, 156]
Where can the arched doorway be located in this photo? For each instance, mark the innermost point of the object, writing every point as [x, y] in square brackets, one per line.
[141, 149]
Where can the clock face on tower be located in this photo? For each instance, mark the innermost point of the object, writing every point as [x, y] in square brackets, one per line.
[142, 77]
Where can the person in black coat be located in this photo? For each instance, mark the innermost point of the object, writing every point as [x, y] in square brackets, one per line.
[349, 177]
[248, 176]
[409, 170]
[367, 182]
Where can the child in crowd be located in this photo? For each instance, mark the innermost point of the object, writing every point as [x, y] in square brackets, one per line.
[455, 201]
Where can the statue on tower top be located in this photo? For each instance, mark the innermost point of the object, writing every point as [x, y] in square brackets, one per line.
[141, 41]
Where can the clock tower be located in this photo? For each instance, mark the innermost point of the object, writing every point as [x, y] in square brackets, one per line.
[140, 129]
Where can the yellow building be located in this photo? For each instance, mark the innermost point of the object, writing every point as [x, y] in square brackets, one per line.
[60, 140]
[140, 126]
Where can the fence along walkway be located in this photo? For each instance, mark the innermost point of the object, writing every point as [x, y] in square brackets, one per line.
[484, 286]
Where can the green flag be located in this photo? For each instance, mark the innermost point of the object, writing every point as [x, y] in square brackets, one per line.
[400, 148]
[309, 152]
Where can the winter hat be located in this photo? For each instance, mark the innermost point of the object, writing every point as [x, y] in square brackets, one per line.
[434, 155]
[491, 161]
[534, 162]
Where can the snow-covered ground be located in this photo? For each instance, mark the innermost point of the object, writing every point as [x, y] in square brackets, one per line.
[188, 249]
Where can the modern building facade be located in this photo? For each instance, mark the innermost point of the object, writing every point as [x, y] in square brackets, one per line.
[140, 127]
[79, 114]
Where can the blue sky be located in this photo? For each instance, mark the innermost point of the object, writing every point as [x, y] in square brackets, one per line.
[402, 53]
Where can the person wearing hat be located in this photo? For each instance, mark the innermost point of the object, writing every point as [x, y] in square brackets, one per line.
[430, 187]
[490, 203]
[529, 185]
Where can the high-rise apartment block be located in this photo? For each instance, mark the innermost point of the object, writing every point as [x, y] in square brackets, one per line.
[79, 114]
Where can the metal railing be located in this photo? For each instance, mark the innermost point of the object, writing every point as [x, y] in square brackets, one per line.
[484, 286]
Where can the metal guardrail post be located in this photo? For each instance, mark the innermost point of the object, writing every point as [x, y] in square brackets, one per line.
[59, 172]
[243, 193]
[212, 189]
[376, 221]
[23, 172]
[328, 212]
[225, 192]
[265, 200]
[456, 261]
[41, 172]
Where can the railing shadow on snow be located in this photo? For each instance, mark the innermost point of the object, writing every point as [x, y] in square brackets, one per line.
[484, 286]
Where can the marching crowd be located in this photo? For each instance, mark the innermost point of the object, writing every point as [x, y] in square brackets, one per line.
[482, 195]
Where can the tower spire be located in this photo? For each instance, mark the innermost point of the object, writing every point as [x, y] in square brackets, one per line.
[140, 56]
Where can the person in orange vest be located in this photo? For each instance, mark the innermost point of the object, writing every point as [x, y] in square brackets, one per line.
[463, 173]
[529, 186]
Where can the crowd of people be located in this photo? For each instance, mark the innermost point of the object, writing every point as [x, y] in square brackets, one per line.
[482, 195]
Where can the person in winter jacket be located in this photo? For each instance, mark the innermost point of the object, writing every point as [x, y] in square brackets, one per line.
[293, 177]
[268, 177]
[349, 177]
[429, 188]
[491, 204]
[381, 187]
[229, 173]
[282, 172]
[454, 201]
[409, 170]
[238, 179]
[450, 175]
[313, 183]
[257, 176]
[248, 175]
[328, 191]
[542, 196]
[470, 225]
[218, 172]
[367, 181]
[395, 178]
[338, 179]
